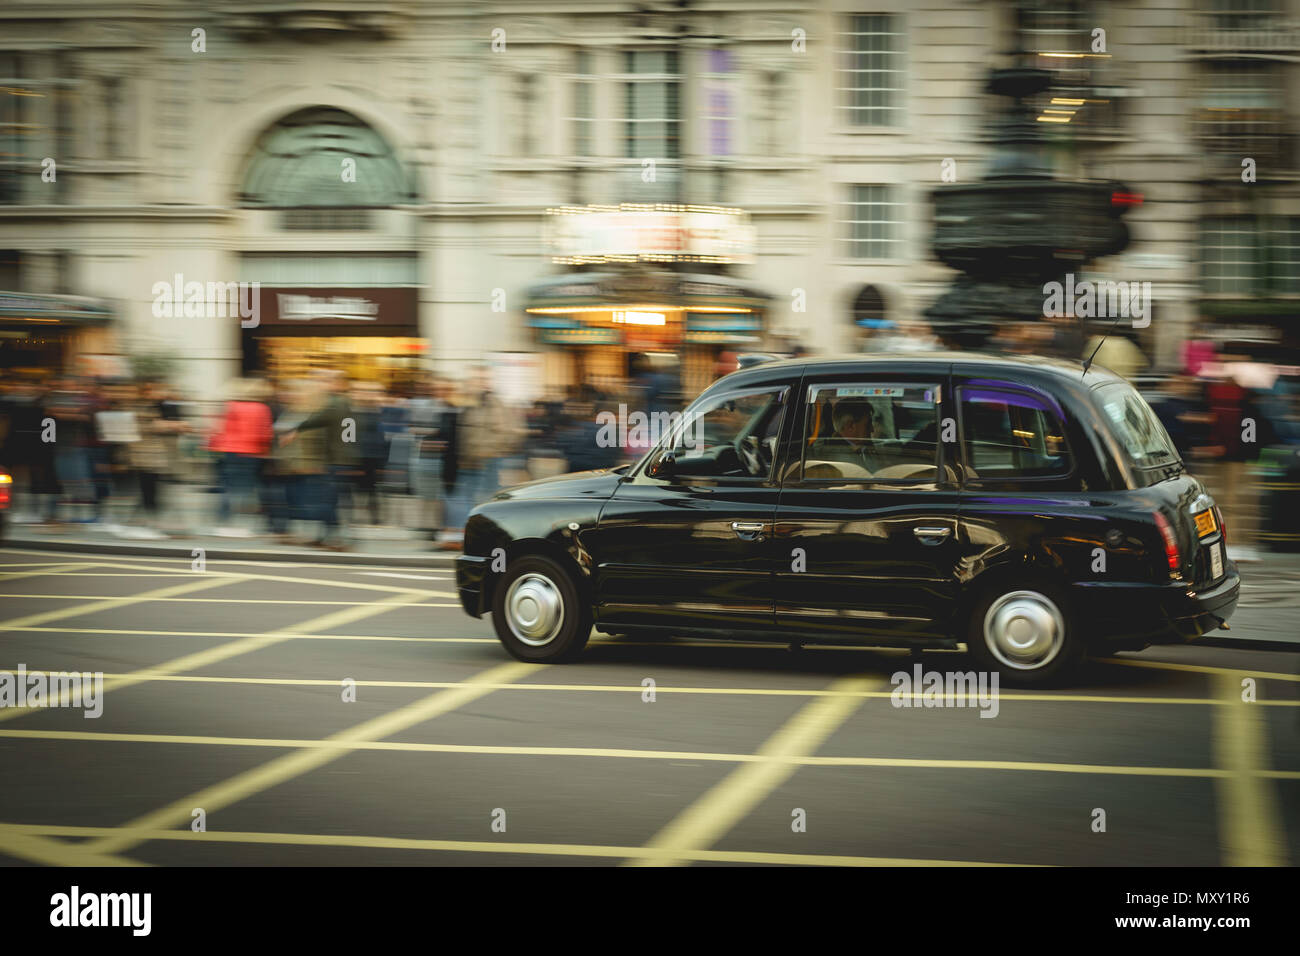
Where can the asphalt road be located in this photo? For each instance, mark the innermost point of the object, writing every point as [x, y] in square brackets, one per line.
[225, 691]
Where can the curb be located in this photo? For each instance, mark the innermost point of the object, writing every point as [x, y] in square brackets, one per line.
[417, 559]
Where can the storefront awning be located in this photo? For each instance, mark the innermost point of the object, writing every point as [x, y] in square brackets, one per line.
[587, 291]
[31, 310]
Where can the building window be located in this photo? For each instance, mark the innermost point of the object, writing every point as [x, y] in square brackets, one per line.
[325, 219]
[113, 115]
[1242, 106]
[582, 121]
[871, 75]
[1284, 255]
[872, 223]
[11, 269]
[35, 123]
[1228, 255]
[1243, 14]
[1249, 255]
[719, 103]
[1060, 36]
[299, 162]
[652, 114]
[526, 99]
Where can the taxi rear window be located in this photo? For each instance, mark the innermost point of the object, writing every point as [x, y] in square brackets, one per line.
[1136, 426]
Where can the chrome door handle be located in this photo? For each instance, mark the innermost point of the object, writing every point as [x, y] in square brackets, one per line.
[924, 532]
[744, 529]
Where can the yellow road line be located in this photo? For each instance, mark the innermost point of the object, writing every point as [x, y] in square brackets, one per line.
[713, 815]
[114, 603]
[184, 600]
[53, 569]
[905, 763]
[27, 844]
[184, 570]
[971, 701]
[281, 578]
[1202, 669]
[303, 761]
[1250, 828]
[479, 846]
[221, 652]
[127, 632]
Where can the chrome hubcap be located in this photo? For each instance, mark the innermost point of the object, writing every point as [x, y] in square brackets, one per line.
[1024, 630]
[534, 609]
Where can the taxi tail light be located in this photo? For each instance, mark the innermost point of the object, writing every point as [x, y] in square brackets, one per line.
[5, 482]
[1171, 543]
[1223, 528]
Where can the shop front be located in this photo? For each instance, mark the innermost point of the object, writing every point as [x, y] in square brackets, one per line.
[52, 334]
[593, 323]
[372, 334]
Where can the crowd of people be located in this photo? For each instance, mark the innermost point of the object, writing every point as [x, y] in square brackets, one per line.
[303, 460]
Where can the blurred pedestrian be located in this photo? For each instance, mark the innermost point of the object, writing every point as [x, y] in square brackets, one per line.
[429, 416]
[372, 444]
[241, 441]
[117, 429]
[31, 459]
[579, 437]
[149, 458]
[487, 436]
[1227, 402]
[334, 419]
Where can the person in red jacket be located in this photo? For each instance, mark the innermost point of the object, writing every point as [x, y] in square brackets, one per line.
[242, 441]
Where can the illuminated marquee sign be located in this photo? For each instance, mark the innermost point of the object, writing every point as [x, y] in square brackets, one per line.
[661, 232]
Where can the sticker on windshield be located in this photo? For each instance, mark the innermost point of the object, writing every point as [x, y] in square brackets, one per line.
[871, 392]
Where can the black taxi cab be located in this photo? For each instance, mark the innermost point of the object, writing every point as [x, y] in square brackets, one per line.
[1027, 508]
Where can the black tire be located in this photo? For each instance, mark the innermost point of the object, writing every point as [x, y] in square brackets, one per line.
[540, 579]
[1055, 663]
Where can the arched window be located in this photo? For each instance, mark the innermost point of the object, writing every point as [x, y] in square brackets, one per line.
[869, 309]
[300, 161]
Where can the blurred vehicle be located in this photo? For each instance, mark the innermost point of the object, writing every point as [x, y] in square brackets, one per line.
[1024, 507]
[6, 485]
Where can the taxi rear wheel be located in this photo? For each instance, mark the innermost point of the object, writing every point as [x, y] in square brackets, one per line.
[538, 612]
[1024, 633]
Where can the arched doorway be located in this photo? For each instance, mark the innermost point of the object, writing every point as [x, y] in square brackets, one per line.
[869, 314]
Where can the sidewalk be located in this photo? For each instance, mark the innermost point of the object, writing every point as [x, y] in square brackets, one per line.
[189, 520]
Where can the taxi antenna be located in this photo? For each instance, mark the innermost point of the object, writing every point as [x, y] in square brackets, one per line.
[1088, 363]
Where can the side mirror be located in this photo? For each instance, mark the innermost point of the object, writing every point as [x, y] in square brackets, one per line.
[665, 465]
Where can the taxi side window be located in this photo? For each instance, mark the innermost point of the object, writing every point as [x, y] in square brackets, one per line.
[863, 432]
[1011, 434]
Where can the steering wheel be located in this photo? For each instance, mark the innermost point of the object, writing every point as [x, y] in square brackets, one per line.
[750, 450]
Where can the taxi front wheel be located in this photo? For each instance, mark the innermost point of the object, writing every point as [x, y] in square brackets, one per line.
[538, 612]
